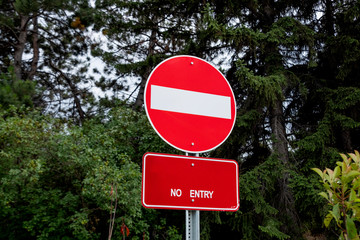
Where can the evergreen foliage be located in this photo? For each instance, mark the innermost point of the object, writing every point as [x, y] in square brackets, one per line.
[14, 92]
[40, 43]
[70, 162]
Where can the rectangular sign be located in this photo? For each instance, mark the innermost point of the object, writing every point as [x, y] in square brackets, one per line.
[189, 183]
[190, 102]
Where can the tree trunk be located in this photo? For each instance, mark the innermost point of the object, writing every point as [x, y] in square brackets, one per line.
[346, 140]
[20, 46]
[280, 144]
[329, 16]
[285, 202]
[35, 39]
[151, 50]
[140, 97]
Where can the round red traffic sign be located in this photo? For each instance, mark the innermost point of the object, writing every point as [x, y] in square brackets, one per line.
[190, 104]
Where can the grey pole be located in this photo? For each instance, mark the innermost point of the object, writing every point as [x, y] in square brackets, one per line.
[192, 224]
[192, 221]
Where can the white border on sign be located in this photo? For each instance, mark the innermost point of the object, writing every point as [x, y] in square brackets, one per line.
[189, 207]
[148, 116]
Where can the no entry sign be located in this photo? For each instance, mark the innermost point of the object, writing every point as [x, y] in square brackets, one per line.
[190, 104]
[191, 183]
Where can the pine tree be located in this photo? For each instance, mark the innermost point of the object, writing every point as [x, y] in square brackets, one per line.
[272, 45]
[44, 45]
[141, 34]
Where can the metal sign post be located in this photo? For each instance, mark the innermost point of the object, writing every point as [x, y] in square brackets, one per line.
[192, 107]
[192, 219]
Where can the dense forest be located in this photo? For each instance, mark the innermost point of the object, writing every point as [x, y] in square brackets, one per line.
[73, 128]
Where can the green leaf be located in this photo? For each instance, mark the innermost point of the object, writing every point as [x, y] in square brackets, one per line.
[327, 186]
[330, 172]
[349, 176]
[337, 172]
[344, 157]
[352, 195]
[354, 166]
[327, 177]
[328, 219]
[318, 171]
[324, 195]
[344, 167]
[336, 212]
[351, 229]
[354, 157]
[356, 184]
[342, 236]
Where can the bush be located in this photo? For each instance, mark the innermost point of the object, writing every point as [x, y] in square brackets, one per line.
[342, 191]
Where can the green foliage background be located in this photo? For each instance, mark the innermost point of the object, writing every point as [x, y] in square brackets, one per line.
[56, 179]
[66, 155]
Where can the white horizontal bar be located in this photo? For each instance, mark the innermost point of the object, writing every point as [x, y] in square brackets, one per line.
[190, 102]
